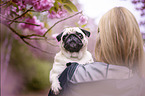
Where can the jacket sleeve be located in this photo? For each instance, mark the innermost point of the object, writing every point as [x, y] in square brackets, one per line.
[90, 72]
[67, 73]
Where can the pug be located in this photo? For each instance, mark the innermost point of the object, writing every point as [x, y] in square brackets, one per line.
[73, 45]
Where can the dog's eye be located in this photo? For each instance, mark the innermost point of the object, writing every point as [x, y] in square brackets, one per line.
[80, 35]
[64, 37]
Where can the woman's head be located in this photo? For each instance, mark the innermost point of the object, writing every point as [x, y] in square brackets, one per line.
[119, 41]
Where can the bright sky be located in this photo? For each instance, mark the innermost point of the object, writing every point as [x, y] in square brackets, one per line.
[96, 8]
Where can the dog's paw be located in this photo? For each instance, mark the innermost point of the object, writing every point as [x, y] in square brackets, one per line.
[55, 87]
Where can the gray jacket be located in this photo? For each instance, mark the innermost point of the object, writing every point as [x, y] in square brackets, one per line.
[100, 79]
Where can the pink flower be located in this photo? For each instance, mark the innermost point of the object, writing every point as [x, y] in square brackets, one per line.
[29, 20]
[5, 11]
[21, 4]
[52, 15]
[61, 13]
[52, 1]
[28, 1]
[83, 20]
[41, 5]
[40, 30]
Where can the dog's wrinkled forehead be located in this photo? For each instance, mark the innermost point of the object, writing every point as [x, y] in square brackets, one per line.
[72, 30]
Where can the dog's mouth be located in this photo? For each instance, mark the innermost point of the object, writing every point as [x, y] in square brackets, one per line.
[72, 43]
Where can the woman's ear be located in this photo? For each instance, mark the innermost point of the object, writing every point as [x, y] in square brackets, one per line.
[87, 33]
[58, 37]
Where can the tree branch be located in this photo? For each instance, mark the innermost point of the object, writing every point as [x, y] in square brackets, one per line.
[26, 23]
[18, 21]
[4, 3]
[39, 11]
[20, 15]
[14, 31]
[60, 21]
[28, 36]
[36, 47]
[45, 40]
[22, 37]
[40, 38]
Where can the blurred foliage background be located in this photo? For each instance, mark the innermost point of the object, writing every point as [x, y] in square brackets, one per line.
[26, 72]
[26, 69]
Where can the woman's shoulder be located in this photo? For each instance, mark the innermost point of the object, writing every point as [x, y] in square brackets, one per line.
[119, 72]
[87, 72]
[97, 71]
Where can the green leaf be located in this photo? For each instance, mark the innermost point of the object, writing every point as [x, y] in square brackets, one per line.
[7, 5]
[15, 5]
[72, 6]
[63, 1]
[67, 8]
[56, 5]
[46, 25]
[54, 9]
[50, 10]
[59, 1]
[13, 13]
[83, 25]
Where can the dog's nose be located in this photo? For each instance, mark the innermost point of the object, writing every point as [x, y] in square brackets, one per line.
[73, 44]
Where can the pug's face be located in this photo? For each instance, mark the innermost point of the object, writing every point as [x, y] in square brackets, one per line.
[73, 39]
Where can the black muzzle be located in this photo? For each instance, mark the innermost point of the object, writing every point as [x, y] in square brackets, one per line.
[72, 43]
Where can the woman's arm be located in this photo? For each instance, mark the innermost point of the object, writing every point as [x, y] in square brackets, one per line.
[76, 73]
[67, 73]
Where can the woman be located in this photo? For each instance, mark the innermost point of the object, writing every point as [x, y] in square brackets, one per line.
[119, 55]
[121, 39]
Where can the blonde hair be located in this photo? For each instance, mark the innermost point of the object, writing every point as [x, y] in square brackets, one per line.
[119, 41]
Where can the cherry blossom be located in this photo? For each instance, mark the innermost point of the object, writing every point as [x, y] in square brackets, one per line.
[59, 14]
[40, 30]
[41, 5]
[83, 20]
[52, 14]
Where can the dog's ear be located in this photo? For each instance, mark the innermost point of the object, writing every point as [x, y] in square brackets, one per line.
[58, 37]
[87, 33]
